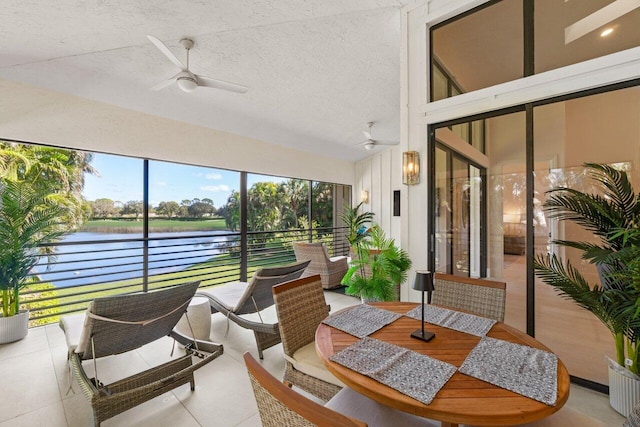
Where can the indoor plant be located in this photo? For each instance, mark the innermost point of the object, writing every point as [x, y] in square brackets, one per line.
[379, 269]
[613, 217]
[357, 224]
[28, 219]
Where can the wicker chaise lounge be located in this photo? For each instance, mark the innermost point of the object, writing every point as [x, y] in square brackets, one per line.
[122, 323]
[237, 298]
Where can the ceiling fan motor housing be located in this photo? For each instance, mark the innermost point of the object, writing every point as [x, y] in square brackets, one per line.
[187, 83]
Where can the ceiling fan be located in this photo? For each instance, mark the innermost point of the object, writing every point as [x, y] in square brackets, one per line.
[185, 79]
[370, 143]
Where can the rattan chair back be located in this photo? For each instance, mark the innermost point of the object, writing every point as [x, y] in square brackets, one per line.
[279, 406]
[331, 270]
[478, 296]
[301, 307]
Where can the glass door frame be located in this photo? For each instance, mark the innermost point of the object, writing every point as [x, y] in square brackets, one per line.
[451, 156]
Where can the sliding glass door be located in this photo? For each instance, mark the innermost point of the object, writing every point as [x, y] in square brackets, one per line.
[458, 218]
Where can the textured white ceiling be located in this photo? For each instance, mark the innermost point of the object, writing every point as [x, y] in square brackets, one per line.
[317, 70]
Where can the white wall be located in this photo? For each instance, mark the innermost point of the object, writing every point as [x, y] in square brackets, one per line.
[38, 115]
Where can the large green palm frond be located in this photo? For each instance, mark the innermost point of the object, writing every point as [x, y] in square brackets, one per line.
[27, 221]
[593, 212]
[356, 220]
[570, 284]
[617, 187]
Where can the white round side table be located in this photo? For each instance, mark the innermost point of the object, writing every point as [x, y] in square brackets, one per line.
[199, 313]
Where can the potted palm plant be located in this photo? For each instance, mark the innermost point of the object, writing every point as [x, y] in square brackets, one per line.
[379, 269]
[614, 217]
[28, 219]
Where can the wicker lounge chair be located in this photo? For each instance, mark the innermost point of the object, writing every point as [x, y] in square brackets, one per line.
[330, 269]
[122, 323]
[301, 307]
[478, 296]
[237, 298]
[278, 406]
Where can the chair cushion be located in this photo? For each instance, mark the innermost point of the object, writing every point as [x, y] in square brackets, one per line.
[230, 295]
[72, 326]
[355, 405]
[337, 258]
[306, 360]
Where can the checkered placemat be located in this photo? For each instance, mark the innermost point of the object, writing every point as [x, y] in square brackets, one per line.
[463, 322]
[361, 320]
[522, 369]
[414, 374]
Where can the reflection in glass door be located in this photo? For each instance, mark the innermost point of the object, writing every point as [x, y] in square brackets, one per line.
[458, 215]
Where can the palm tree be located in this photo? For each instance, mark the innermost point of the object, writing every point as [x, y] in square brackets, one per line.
[55, 171]
[28, 219]
[613, 217]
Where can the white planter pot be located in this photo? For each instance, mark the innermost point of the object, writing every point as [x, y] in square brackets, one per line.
[14, 328]
[624, 392]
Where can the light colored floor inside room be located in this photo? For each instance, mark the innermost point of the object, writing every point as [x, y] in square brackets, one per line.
[35, 383]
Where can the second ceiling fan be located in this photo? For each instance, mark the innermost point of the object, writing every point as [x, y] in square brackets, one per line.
[370, 143]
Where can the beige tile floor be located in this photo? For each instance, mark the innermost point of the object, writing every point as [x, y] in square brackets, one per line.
[34, 382]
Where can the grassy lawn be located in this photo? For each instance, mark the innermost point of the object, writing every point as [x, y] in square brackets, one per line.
[155, 225]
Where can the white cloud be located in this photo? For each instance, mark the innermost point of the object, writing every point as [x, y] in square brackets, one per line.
[223, 188]
[213, 176]
[161, 184]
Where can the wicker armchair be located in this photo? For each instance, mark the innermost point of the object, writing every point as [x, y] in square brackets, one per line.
[118, 324]
[237, 298]
[301, 307]
[330, 269]
[279, 406]
[478, 296]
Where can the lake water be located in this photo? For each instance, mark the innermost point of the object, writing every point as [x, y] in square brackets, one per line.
[82, 264]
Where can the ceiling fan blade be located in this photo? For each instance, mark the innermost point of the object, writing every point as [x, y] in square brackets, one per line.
[380, 142]
[367, 131]
[362, 142]
[220, 84]
[164, 49]
[598, 19]
[165, 83]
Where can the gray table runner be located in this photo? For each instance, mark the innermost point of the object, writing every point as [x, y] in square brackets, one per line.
[525, 370]
[463, 322]
[406, 371]
[361, 320]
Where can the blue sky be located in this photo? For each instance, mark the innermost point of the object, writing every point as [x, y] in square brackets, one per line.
[121, 180]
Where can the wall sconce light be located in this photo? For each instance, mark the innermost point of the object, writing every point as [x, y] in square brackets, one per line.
[364, 196]
[410, 168]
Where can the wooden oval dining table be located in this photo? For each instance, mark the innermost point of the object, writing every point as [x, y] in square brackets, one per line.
[463, 399]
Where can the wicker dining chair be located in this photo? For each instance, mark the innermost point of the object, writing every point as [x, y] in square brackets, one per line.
[301, 307]
[279, 406]
[478, 296]
[235, 299]
[330, 269]
[118, 324]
